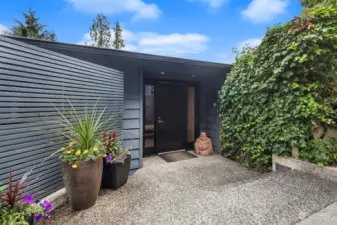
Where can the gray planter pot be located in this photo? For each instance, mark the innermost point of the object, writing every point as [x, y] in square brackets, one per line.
[83, 184]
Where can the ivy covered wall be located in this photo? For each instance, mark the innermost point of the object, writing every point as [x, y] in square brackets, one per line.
[277, 92]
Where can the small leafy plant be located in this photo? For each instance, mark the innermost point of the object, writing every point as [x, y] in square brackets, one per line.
[14, 191]
[73, 153]
[114, 152]
[84, 132]
[15, 212]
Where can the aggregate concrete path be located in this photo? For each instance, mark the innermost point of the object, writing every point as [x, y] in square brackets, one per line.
[327, 216]
[206, 190]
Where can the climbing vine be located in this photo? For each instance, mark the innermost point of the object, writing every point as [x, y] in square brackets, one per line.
[275, 92]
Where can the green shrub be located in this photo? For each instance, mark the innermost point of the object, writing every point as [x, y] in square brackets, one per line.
[320, 152]
[275, 91]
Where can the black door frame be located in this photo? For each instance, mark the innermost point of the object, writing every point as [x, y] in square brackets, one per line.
[154, 82]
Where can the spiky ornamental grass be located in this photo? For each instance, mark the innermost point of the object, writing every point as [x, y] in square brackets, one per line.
[84, 132]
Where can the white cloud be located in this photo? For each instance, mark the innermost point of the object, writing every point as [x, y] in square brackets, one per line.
[254, 42]
[260, 11]
[174, 44]
[226, 57]
[212, 3]
[3, 29]
[140, 9]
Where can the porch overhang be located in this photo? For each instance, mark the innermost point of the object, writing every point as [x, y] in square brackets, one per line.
[138, 67]
[121, 60]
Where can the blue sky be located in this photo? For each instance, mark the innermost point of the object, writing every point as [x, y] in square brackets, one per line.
[197, 29]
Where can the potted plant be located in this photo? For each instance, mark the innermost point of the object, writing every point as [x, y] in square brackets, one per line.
[25, 212]
[82, 157]
[116, 164]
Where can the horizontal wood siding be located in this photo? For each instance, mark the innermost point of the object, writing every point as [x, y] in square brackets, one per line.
[210, 121]
[132, 93]
[31, 80]
[132, 116]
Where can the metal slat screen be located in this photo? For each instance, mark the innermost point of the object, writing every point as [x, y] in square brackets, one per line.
[32, 80]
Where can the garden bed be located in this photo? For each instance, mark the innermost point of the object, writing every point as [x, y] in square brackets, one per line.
[288, 163]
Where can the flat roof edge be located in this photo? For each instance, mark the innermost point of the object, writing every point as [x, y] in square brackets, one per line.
[122, 53]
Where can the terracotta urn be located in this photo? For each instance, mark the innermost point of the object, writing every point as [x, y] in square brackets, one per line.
[203, 145]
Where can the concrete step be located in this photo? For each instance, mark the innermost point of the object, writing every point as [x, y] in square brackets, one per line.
[178, 193]
[201, 172]
[273, 198]
[238, 183]
[326, 216]
[279, 198]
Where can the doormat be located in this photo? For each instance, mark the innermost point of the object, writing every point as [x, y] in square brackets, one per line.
[177, 156]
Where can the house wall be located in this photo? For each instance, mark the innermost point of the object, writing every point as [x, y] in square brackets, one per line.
[133, 106]
[133, 115]
[133, 92]
[209, 119]
[32, 78]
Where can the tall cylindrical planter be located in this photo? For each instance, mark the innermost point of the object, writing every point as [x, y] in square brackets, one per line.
[83, 184]
[115, 175]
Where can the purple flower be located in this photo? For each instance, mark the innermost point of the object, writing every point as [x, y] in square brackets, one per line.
[121, 158]
[47, 206]
[28, 199]
[37, 217]
[108, 159]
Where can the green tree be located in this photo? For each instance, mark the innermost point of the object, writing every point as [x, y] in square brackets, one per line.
[100, 31]
[118, 43]
[310, 3]
[31, 28]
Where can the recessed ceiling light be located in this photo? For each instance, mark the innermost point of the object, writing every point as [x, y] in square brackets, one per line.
[162, 73]
[193, 75]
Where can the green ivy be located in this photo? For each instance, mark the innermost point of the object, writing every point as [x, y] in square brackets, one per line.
[320, 152]
[275, 91]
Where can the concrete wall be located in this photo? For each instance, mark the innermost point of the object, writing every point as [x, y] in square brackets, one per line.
[283, 164]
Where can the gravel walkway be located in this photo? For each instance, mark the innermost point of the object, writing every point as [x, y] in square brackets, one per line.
[205, 190]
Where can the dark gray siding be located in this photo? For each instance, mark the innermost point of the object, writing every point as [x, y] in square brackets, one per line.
[210, 121]
[132, 92]
[132, 125]
[209, 75]
[32, 78]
